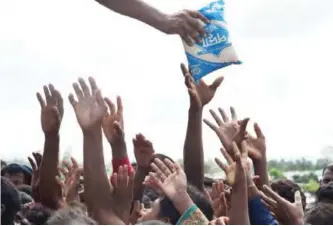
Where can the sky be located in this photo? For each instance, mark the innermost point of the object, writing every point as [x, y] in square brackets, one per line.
[285, 83]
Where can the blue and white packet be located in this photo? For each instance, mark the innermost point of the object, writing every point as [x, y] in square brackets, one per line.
[215, 51]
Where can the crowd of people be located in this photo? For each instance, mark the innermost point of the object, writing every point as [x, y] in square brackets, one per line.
[154, 189]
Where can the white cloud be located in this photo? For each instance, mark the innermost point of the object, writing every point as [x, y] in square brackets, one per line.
[284, 83]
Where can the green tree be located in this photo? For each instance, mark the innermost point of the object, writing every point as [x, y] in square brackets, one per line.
[311, 187]
[276, 174]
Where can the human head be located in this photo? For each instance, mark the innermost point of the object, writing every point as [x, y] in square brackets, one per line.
[320, 214]
[17, 174]
[25, 188]
[325, 191]
[10, 201]
[70, 216]
[38, 214]
[286, 189]
[163, 209]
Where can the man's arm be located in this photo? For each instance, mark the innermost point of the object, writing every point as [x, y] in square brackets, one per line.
[185, 23]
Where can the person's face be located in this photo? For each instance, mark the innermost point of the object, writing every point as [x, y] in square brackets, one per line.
[16, 178]
[327, 178]
[151, 213]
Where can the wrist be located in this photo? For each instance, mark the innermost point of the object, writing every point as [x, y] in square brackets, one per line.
[181, 201]
[163, 23]
[119, 149]
[194, 110]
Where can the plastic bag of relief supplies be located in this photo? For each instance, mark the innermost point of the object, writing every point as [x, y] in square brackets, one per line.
[215, 51]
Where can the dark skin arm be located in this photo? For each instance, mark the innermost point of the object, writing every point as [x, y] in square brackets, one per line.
[200, 95]
[185, 23]
[90, 110]
[51, 116]
[144, 153]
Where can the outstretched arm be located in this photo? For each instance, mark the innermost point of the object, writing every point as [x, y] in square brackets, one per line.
[185, 23]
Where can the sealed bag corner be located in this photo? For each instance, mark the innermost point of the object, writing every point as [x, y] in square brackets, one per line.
[216, 50]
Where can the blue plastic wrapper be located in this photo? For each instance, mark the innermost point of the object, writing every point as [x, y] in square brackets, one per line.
[215, 51]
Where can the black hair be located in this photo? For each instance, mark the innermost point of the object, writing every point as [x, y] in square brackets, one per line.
[169, 212]
[10, 201]
[71, 216]
[320, 214]
[25, 198]
[25, 188]
[328, 167]
[162, 157]
[14, 168]
[286, 189]
[38, 214]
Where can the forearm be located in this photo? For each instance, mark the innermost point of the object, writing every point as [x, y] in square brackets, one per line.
[260, 169]
[140, 175]
[193, 150]
[96, 185]
[238, 213]
[49, 170]
[139, 10]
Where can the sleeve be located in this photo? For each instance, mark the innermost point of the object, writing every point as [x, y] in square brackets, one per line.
[116, 163]
[193, 216]
[259, 214]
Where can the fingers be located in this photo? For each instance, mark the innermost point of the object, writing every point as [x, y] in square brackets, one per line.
[47, 95]
[233, 114]
[211, 125]
[217, 119]
[40, 100]
[38, 158]
[85, 89]
[118, 129]
[216, 83]
[119, 105]
[75, 165]
[32, 163]
[72, 100]
[93, 85]
[270, 202]
[170, 165]
[258, 131]
[226, 156]
[221, 165]
[184, 69]
[99, 99]
[236, 152]
[77, 90]
[110, 105]
[164, 169]
[198, 15]
[158, 172]
[298, 200]
[224, 115]
[244, 150]
[156, 180]
[272, 194]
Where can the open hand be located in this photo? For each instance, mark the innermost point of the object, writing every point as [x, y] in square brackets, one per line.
[169, 177]
[113, 122]
[257, 145]
[286, 212]
[35, 165]
[122, 195]
[228, 130]
[237, 165]
[52, 109]
[90, 108]
[71, 185]
[186, 23]
[143, 151]
[219, 201]
[200, 94]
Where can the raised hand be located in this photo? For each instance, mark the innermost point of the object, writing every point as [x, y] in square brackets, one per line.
[234, 171]
[186, 23]
[228, 130]
[113, 122]
[169, 177]
[52, 109]
[35, 165]
[71, 185]
[136, 212]
[123, 192]
[286, 212]
[257, 145]
[219, 202]
[143, 151]
[200, 94]
[220, 221]
[90, 108]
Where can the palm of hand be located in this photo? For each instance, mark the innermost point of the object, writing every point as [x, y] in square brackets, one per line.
[88, 112]
[108, 125]
[143, 156]
[256, 146]
[50, 119]
[174, 184]
[227, 131]
[205, 93]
